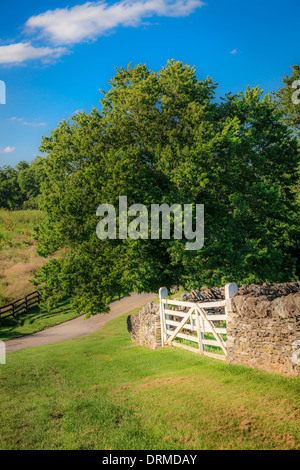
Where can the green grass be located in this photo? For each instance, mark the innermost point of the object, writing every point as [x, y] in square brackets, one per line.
[17, 227]
[105, 392]
[208, 348]
[35, 320]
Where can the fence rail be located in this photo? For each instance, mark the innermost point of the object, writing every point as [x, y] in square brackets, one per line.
[195, 326]
[14, 309]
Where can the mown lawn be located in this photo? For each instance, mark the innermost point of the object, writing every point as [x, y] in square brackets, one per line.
[105, 392]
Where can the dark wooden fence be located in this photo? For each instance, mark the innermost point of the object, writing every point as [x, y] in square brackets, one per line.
[20, 306]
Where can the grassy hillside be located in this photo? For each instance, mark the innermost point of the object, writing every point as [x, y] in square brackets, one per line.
[105, 392]
[18, 258]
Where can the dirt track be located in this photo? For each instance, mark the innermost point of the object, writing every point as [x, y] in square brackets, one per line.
[78, 326]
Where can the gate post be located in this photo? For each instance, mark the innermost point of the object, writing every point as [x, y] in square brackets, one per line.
[163, 293]
[230, 289]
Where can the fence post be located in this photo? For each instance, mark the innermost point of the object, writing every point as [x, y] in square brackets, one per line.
[230, 289]
[26, 304]
[163, 293]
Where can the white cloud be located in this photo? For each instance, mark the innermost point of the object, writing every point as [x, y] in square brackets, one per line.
[234, 51]
[23, 51]
[15, 119]
[67, 26]
[26, 123]
[34, 124]
[93, 19]
[8, 150]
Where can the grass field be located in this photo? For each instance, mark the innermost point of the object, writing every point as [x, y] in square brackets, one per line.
[105, 392]
[18, 258]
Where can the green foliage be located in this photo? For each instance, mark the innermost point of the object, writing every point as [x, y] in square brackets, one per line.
[161, 138]
[30, 180]
[20, 186]
[10, 194]
[290, 111]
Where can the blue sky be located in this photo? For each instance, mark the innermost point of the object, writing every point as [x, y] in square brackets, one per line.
[54, 56]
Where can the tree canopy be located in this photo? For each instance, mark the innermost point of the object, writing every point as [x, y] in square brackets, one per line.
[20, 186]
[288, 99]
[161, 137]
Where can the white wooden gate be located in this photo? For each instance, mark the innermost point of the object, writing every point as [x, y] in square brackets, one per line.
[194, 325]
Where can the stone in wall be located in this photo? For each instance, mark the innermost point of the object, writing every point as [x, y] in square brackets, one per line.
[144, 326]
[263, 330]
[272, 291]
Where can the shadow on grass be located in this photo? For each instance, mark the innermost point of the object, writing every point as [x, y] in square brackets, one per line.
[36, 320]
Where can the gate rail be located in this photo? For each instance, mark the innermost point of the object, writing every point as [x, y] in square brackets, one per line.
[196, 322]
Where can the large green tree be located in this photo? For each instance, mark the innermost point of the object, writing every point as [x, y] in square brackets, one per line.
[288, 99]
[288, 103]
[162, 138]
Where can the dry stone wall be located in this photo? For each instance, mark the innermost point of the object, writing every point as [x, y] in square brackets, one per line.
[263, 328]
[144, 327]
